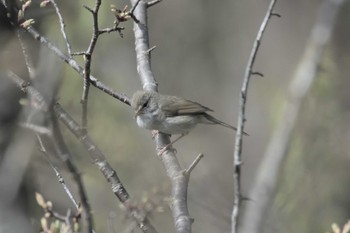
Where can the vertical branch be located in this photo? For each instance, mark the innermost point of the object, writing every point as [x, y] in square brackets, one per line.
[143, 57]
[263, 188]
[62, 27]
[88, 57]
[179, 177]
[28, 60]
[237, 156]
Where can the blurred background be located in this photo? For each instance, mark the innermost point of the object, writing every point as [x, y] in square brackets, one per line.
[201, 54]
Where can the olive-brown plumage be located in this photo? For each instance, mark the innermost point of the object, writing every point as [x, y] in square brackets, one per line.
[170, 114]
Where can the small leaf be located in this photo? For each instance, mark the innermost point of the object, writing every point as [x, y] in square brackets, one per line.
[49, 205]
[76, 227]
[27, 23]
[23, 102]
[335, 228]
[43, 222]
[40, 200]
[26, 5]
[20, 15]
[346, 228]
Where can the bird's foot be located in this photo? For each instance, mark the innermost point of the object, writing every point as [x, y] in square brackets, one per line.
[162, 150]
[167, 147]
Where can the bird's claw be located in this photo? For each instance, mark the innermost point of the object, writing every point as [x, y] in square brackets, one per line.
[167, 147]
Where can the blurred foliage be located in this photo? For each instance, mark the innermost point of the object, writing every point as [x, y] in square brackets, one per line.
[312, 193]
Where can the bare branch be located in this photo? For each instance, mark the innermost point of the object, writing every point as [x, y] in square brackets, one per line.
[134, 7]
[28, 60]
[152, 3]
[57, 172]
[66, 157]
[193, 164]
[257, 74]
[88, 60]
[237, 156]
[71, 62]
[62, 26]
[151, 49]
[266, 179]
[36, 128]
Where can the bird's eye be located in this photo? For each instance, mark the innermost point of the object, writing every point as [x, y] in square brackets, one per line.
[145, 104]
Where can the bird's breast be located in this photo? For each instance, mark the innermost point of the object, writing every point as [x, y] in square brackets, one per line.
[146, 121]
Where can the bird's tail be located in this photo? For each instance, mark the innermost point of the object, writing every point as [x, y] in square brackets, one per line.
[212, 120]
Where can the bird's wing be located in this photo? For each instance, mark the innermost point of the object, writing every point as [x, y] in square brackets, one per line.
[177, 106]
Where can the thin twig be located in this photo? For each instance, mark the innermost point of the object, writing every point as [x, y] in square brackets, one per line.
[237, 156]
[73, 63]
[151, 49]
[112, 29]
[131, 12]
[152, 3]
[134, 7]
[57, 172]
[68, 221]
[193, 164]
[25, 87]
[28, 60]
[62, 26]
[36, 128]
[179, 180]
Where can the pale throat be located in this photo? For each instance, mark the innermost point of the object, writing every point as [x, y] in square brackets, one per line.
[148, 120]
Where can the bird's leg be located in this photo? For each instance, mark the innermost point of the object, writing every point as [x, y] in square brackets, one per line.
[161, 151]
[154, 134]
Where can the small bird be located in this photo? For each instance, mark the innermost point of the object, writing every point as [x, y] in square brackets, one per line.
[170, 114]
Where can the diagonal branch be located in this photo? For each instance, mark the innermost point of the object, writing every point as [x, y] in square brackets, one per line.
[72, 63]
[95, 153]
[237, 156]
[62, 26]
[66, 157]
[57, 172]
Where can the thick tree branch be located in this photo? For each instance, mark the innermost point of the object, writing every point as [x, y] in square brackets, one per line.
[178, 176]
[237, 156]
[264, 185]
